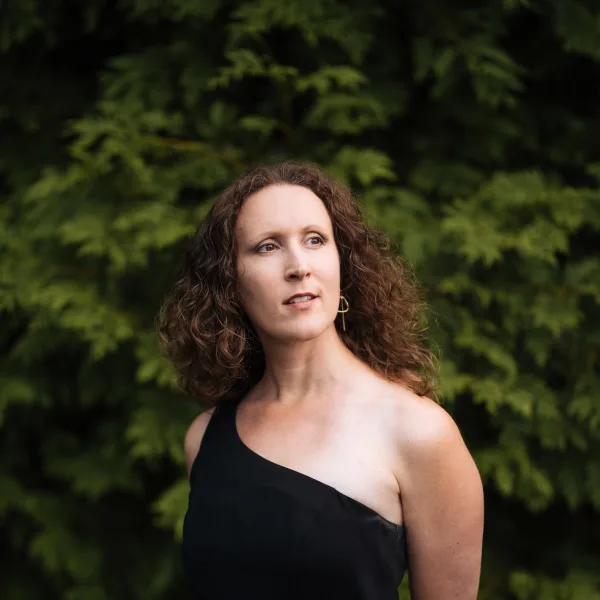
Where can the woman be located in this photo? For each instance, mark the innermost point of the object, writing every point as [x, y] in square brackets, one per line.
[322, 469]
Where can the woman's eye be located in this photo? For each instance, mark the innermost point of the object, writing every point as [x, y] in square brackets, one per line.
[269, 246]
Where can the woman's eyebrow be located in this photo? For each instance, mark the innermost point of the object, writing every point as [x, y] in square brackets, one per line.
[279, 233]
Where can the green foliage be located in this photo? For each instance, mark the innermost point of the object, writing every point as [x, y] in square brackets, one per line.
[469, 134]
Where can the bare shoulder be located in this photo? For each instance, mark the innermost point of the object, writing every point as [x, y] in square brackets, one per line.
[194, 435]
[427, 439]
[422, 426]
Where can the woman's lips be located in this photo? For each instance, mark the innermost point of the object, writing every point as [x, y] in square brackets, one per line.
[303, 304]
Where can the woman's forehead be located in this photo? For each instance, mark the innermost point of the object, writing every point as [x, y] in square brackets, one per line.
[282, 207]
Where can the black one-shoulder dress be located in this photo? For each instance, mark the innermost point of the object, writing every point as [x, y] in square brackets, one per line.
[258, 530]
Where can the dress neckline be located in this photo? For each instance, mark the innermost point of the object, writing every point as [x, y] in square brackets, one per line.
[303, 476]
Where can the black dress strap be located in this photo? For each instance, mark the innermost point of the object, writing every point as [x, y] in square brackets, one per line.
[216, 441]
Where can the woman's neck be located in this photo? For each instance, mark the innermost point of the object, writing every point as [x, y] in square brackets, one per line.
[299, 371]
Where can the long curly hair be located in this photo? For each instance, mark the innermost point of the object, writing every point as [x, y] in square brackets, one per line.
[209, 338]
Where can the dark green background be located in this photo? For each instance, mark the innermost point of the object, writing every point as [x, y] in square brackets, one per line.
[470, 132]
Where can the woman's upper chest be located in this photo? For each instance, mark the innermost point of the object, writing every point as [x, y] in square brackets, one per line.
[346, 444]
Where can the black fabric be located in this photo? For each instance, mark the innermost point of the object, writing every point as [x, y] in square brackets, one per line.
[258, 530]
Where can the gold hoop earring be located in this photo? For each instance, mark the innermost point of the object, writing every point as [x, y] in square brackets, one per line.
[344, 310]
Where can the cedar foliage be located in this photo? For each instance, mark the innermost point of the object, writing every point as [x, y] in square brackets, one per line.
[470, 131]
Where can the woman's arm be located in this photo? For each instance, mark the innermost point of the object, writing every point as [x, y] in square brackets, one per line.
[442, 504]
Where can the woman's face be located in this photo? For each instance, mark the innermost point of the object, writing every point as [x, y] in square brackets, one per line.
[286, 247]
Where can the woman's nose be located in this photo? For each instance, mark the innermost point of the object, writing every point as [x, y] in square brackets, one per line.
[297, 272]
[297, 267]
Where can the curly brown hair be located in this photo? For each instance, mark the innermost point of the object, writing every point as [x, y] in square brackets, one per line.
[209, 338]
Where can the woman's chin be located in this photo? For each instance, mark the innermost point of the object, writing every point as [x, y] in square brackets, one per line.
[304, 332]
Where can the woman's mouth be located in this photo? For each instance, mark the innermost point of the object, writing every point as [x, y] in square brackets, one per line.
[301, 301]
